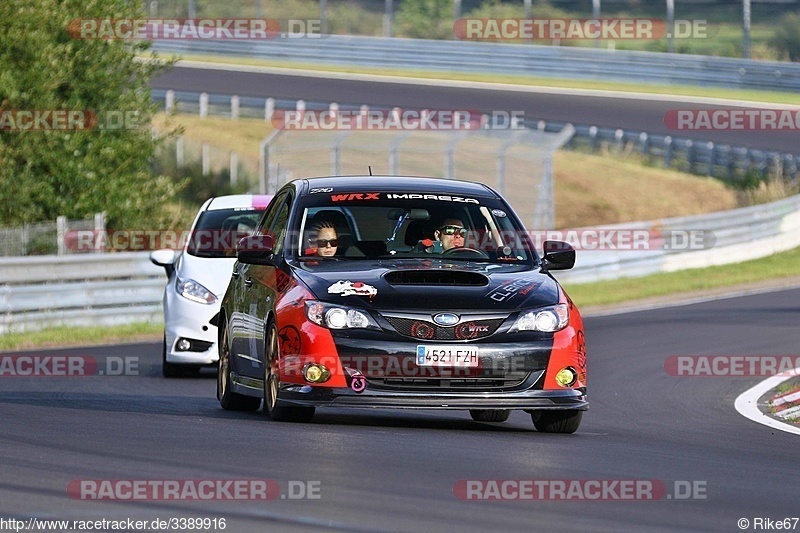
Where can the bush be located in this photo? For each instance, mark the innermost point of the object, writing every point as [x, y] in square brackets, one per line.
[786, 38]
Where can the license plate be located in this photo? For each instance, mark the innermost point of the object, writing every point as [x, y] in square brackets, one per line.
[443, 355]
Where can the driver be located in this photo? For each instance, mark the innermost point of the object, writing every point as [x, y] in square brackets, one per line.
[451, 234]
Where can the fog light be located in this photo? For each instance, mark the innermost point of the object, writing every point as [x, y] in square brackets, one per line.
[315, 373]
[566, 377]
[184, 345]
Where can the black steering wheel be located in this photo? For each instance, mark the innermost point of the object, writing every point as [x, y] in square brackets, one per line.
[462, 250]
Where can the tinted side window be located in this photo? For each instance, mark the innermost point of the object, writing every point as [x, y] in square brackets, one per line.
[280, 226]
[269, 217]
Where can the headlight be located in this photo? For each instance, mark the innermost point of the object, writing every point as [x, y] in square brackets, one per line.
[548, 319]
[337, 317]
[191, 290]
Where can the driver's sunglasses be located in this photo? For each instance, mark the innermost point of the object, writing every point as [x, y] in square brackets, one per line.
[323, 243]
[452, 230]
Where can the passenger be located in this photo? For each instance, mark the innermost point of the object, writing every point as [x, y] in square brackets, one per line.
[326, 241]
[451, 234]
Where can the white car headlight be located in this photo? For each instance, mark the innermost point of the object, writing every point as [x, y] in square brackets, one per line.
[191, 290]
[548, 319]
[337, 317]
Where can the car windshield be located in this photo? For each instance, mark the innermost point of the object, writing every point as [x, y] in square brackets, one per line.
[400, 225]
[217, 231]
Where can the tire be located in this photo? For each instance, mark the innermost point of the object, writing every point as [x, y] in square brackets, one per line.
[272, 407]
[229, 400]
[557, 421]
[490, 415]
[171, 370]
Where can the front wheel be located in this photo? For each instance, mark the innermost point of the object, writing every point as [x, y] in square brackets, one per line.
[229, 400]
[281, 413]
[557, 421]
[489, 415]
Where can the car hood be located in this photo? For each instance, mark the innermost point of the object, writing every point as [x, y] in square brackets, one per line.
[212, 273]
[428, 284]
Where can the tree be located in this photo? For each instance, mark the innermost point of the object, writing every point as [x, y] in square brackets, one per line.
[425, 19]
[786, 38]
[76, 173]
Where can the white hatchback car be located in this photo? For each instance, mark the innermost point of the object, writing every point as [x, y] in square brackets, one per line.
[198, 276]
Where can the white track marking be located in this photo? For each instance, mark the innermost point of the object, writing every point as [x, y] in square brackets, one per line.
[747, 402]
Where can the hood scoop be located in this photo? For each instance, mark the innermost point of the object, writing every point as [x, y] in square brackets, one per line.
[436, 277]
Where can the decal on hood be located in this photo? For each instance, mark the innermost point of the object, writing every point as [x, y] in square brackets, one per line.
[512, 288]
[348, 288]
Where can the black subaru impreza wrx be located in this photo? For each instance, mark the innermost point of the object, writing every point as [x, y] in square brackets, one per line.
[400, 292]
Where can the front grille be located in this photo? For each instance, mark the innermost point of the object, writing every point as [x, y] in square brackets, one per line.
[425, 330]
[436, 277]
[509, 380]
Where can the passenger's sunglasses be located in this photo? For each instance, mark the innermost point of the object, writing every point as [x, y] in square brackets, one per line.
[323, 243]
[452, 230]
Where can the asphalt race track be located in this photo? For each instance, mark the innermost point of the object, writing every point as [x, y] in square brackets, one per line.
[396, 470]
[619, 112]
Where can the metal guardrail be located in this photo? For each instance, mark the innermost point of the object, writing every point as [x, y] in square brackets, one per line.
[518, 59]
[79, 290]
[730, 163]
[119, 288]
[729, 236]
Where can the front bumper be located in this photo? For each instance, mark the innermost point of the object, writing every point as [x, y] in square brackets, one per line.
[306, 395]
[190, 320]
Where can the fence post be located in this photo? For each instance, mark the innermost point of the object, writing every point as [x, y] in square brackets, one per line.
[203, 105]
[690, 153]
[234, 168]
[644, 142]
[99, 231]
[169, 102]
[25, 237]
[234, 107]
[269, 109]
[61, 230]
[593, 136]
[711, 158]
[206, 157]
[667, 151]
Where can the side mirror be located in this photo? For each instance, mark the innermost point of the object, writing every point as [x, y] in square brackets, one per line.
[164, 258]
[255, 250]
[558, 255]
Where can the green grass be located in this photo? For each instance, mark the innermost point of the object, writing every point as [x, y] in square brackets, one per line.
[673, 90]
[77, 336]
[780, 265]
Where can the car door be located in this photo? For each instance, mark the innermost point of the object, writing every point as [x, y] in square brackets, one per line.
[258, 290]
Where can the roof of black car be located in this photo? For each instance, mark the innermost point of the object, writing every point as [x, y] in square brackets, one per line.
[401, 184]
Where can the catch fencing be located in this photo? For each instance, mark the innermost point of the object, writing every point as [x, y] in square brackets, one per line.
[729, 163]
[48, 238]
